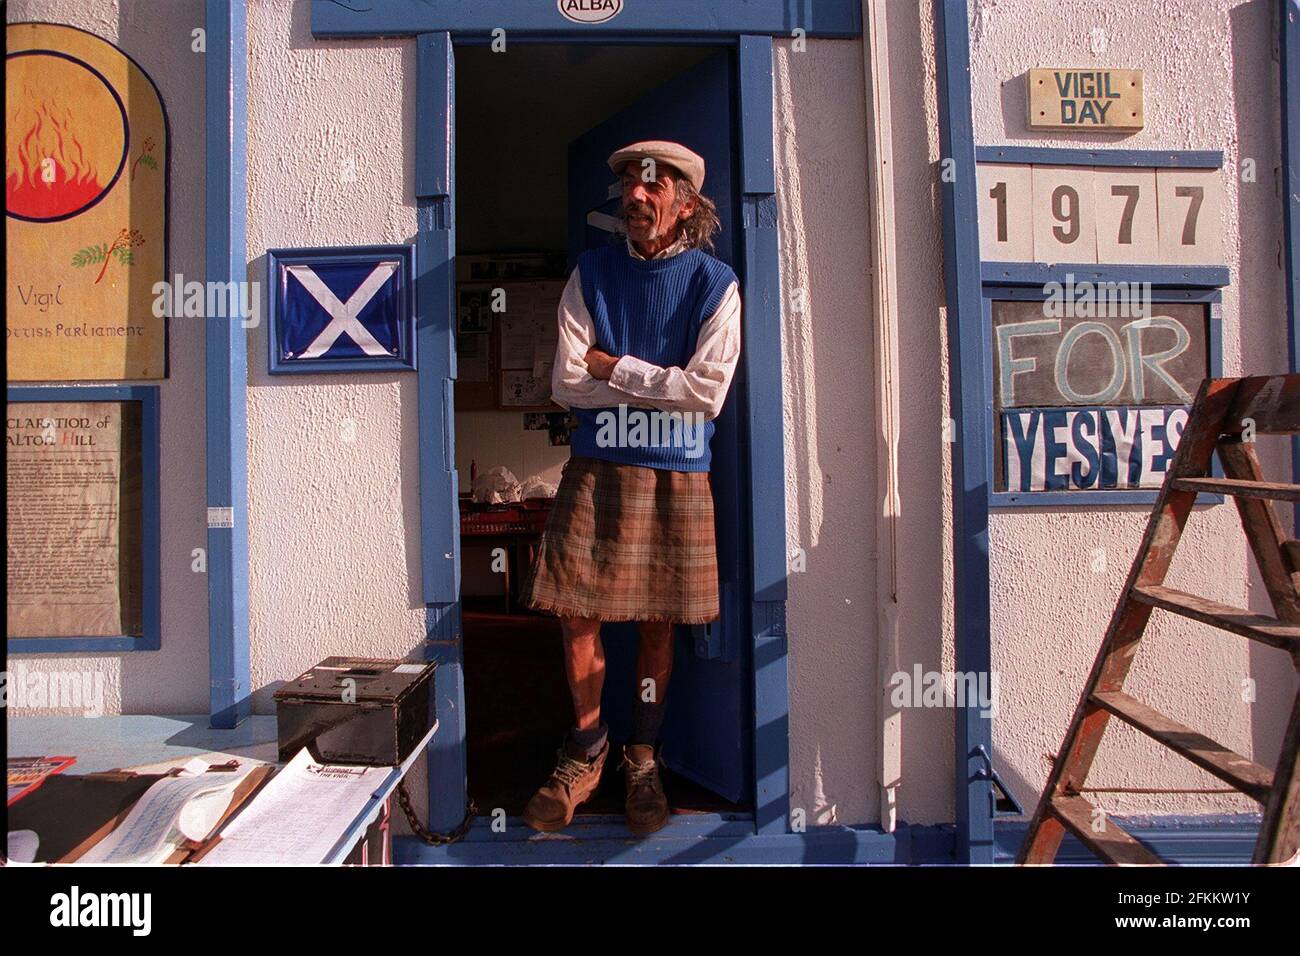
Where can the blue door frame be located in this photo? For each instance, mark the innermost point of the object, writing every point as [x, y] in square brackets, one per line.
[763, 460]
[225, 359]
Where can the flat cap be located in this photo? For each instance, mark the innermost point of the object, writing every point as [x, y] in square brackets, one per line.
[688, 162]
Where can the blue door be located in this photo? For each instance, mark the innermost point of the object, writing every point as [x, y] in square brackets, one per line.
[709, 719]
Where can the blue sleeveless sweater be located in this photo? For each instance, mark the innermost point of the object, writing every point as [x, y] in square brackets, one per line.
[652, 309]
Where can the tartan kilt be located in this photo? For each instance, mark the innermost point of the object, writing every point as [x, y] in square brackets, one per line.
[627, 543]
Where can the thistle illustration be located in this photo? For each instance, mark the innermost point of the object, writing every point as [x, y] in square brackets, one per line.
[146, 157]
[126, 240]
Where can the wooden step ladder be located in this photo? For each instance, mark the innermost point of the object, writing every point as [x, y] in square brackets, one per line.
[1226, 416]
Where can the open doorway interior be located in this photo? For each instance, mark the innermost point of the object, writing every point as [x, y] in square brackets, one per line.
[516, 115]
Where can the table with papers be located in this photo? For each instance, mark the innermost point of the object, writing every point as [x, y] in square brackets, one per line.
[306, 814]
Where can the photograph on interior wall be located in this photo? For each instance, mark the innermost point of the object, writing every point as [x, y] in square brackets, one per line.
[342, 309]
[499, 266]
[506, 332]
[558, 425]
[87, 165]
[474, 310]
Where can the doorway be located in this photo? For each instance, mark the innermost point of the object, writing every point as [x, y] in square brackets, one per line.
[533, 129]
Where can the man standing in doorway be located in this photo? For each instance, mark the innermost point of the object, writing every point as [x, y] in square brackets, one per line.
[649, 337]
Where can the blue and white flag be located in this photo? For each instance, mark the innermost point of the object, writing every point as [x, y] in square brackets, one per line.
[347, 309]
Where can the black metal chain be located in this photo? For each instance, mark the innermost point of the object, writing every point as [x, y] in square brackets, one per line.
[423, 832]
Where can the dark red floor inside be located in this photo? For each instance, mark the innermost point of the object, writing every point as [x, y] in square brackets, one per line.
[517, 711]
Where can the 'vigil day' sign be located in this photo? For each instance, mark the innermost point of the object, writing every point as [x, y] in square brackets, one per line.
[1085, 98]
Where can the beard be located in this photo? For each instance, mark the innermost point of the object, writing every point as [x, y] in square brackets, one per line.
[651, 226]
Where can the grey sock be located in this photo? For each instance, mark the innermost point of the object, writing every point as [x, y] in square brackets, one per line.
[586, 744]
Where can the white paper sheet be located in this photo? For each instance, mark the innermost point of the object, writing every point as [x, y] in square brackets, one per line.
[159, 820]
[299, 816]
[22, 845]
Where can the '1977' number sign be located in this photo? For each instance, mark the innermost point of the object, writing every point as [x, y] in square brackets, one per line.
[1100, 214]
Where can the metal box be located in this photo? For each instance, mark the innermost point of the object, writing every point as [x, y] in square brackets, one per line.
[358, 711]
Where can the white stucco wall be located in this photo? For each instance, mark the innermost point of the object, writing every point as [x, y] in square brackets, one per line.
[333, 482]
[923, 580]
[821, 167]
[333, 474]
[1210, 83]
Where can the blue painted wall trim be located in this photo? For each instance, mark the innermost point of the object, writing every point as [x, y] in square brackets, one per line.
[435, 286]
[970, 448]
[1038, 274]
[1178, 840]
[762, 297]
[687, 839]
[711, 838]
[1289, 49]
[151, 515]
[226, 361]
[435, 329]
[435, 127]
[765, 517]
[666, 18]
[1055, 156]
[757, 172]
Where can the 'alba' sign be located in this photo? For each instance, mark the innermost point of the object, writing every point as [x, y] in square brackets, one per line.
[589, 11]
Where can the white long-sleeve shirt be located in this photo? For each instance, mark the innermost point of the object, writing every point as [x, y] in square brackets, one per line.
[699, 387]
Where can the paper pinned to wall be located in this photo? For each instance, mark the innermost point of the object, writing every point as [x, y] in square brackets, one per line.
[517, 341]
[73, 495]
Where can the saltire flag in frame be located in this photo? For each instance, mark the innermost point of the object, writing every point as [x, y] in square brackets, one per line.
[342, 309]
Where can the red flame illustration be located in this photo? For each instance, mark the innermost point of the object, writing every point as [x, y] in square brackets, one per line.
[55, 178]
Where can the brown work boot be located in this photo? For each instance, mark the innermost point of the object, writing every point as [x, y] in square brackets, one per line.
[646, 807]
[571, 784]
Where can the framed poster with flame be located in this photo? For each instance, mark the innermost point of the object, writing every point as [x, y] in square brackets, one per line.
[86, 190]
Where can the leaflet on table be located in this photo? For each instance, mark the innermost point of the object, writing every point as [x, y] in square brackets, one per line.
[25, 774]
